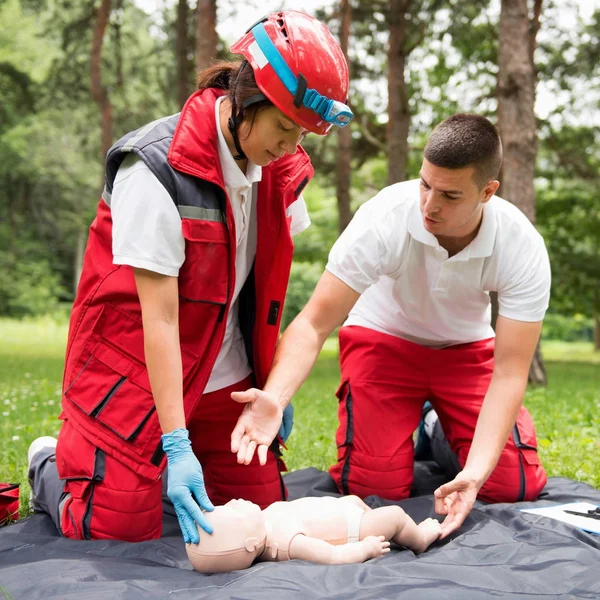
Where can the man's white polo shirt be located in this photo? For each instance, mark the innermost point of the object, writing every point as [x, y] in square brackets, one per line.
[411, 289]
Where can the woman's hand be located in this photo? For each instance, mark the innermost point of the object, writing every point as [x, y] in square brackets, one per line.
[257, 426]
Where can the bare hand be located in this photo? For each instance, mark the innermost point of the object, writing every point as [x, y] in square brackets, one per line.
[455, 499]
[257, 426]
[375, 546]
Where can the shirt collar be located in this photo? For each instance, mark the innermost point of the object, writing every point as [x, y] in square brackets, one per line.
[480, 247]
[415, 224]
[483, 244]
[232, 174]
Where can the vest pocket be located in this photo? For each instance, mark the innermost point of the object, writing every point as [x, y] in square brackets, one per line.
[114, 391]
[524, 431]
[205, 272]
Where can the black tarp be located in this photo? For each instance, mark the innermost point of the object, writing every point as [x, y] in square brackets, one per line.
[498, 553]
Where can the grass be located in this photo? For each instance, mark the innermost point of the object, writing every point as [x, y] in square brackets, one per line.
[566, 413]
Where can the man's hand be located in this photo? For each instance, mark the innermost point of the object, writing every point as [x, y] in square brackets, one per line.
[455, 500]
[257, 426]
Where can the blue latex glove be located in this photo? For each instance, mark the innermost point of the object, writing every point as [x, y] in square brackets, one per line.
[186, 482]
[287, 422]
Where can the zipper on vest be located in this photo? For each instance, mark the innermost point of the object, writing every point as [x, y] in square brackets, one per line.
[222, 312]
[105, 400]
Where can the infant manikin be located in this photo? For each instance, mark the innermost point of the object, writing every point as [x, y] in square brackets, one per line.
[322, 530]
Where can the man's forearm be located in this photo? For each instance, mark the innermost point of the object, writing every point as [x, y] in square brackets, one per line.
[498, 415]
[296, 354]
[163, 359]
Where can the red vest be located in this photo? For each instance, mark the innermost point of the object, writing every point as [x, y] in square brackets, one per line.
[106, 388]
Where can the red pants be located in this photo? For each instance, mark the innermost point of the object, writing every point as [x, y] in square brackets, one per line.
[385, 381]
[106, 500]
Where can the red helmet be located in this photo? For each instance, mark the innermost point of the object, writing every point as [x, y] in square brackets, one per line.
[299, 66]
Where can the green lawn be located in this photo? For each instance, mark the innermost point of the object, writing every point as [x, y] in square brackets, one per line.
[567, 412]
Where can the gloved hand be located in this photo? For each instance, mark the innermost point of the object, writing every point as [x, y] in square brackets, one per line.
[287, 422]
[186, 482]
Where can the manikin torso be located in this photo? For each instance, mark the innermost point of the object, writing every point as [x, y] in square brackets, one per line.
[335, 520]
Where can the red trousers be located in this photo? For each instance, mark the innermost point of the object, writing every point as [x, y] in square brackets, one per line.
[384, 383]
[106, 500]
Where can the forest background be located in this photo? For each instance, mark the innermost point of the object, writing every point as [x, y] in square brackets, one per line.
[75, 76]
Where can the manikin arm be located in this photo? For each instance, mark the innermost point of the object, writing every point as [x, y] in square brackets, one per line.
[318, 551]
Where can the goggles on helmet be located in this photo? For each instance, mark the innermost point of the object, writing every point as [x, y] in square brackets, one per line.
[332, 111]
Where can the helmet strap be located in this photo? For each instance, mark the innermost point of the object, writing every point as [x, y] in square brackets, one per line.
[233, 124]
[236, 118]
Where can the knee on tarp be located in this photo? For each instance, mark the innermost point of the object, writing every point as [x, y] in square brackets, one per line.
[9, 503]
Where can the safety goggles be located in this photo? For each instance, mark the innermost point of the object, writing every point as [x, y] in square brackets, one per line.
[333, 111]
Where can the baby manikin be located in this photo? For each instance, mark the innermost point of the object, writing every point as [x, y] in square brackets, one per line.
[322, 530]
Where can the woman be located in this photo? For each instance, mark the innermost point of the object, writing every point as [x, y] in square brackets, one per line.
[182, 290]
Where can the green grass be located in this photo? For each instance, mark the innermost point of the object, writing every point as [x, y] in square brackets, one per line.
[566, 413]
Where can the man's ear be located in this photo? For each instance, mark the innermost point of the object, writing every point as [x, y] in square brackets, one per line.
[252, 544]
[491, 187]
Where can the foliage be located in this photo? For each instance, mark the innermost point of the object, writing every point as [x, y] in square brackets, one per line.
[50, 164]
[303, 279]
[28, 288]
[569, 218]
[568, 329]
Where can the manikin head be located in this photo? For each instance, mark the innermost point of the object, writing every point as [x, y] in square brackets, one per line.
[239, 536]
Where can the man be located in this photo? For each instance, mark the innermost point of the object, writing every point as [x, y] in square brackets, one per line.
[412, 274]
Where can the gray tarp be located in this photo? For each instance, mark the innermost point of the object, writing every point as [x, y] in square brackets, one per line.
[498, 553]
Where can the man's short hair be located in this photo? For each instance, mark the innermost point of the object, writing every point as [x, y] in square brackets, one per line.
[465, 140]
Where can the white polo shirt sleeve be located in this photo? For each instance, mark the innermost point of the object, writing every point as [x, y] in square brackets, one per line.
[371, 246]
[146, 223]
[524, 290]
[298, 213]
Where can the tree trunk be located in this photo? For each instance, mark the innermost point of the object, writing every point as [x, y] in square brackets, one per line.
[344, 154]
[398, 109]
[13, 201]
[102, 99]
[516, 98]
[79, 252]
[117, 24]
[516, 120]
[99, 91]
[596, 317]
[206, 33]
[181, 49]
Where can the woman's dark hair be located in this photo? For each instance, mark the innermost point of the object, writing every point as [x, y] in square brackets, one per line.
[465, 140]
[237, 78]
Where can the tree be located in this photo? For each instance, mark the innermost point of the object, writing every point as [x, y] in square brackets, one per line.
[344, 154]
[516, 120]
[398, 108]
[206, 33]
[181, 52]
[98, 89]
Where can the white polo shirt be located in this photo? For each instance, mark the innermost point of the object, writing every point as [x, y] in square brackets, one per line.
[147, 234]
[411, 289]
